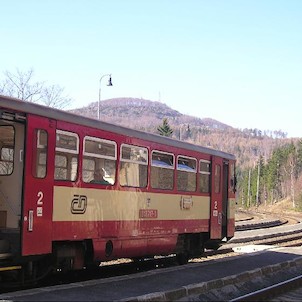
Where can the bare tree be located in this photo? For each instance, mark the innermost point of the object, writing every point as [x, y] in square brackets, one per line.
[21, 85]
[52, 96]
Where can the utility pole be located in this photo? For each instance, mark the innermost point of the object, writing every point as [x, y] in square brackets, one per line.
[258, 179]
[248, 189]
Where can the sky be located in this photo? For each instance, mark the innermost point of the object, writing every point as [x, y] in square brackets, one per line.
[236, 61]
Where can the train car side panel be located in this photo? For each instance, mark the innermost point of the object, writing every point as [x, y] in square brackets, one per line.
[132, 224]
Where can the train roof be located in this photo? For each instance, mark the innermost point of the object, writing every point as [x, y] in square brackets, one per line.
[32, 108]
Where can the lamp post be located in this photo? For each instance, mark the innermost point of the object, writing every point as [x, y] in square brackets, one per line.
[109, 84]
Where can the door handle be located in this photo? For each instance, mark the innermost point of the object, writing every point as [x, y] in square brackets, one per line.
[30, 220]
[21, 156]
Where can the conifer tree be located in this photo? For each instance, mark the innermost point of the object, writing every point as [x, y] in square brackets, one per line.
[165, 129]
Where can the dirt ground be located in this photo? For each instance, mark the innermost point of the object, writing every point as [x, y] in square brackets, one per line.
[280, 208]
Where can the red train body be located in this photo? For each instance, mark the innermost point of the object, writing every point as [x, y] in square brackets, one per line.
[157, 196]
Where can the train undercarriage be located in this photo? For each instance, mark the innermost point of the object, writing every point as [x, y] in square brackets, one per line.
[78, 255]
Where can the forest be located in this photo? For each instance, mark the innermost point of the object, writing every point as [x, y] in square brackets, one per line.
[273, 179]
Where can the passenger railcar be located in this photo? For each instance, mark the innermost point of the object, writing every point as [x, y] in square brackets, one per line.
[156, 196]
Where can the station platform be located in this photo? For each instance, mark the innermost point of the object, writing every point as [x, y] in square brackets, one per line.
[198, 280]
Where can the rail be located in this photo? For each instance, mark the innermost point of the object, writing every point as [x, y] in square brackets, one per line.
[271, 291]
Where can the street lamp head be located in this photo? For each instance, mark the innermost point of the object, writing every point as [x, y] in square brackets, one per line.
[109, 84]
[110, 81]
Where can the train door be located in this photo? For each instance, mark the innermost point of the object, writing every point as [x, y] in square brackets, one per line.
[225, 198]
[231, 199]
[218, 208]
[38, 186]
[11, 178]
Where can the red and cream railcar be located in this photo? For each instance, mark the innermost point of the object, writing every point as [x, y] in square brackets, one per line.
[157, 195]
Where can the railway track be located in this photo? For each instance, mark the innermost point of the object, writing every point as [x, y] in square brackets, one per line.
[282, 239]
[289, 290]
[230, 250]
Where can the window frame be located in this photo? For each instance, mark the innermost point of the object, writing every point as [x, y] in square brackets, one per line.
[217, 178]
[201, 172]
[172, 167]
[133, 161]
[13, 148]
[186, 170]
[42, 147]
[130, 161]
[160, 166]
[100, 140]
[68, 133]
[93, 157]
[59, 151]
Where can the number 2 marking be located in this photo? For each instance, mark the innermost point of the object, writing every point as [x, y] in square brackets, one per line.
[40, 198]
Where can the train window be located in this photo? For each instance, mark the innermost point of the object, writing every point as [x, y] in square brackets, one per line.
[99, 161]
[40, 153]
[67, 142]
[186, 173]
[60, 167]
[7, 137]
[97, 147]
[162, 170]
[133, 166]
[217, 178]
[232, 178]
[7, 160]
[88, 169]
[66, 158]
[204, 176]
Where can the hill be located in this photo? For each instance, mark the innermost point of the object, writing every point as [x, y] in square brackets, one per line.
[146, 115]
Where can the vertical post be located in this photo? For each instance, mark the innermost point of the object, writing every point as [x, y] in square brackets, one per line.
[258, 179]
[248, 189]
[99, 103]
[109, 84]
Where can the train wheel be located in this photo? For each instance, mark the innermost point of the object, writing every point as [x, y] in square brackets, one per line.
[213, 245]
[182, 258]
[93, 266]
[37, 270]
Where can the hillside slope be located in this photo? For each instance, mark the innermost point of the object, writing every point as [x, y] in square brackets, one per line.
[145, 114]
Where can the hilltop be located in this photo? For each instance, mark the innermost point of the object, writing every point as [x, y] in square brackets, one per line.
[144, 114]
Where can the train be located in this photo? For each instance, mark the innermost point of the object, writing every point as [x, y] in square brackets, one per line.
[156, 195]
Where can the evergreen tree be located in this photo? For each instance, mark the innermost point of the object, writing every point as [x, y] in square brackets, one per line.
[165, 129]
[273, 175]
[299, 156]
[188, 132]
